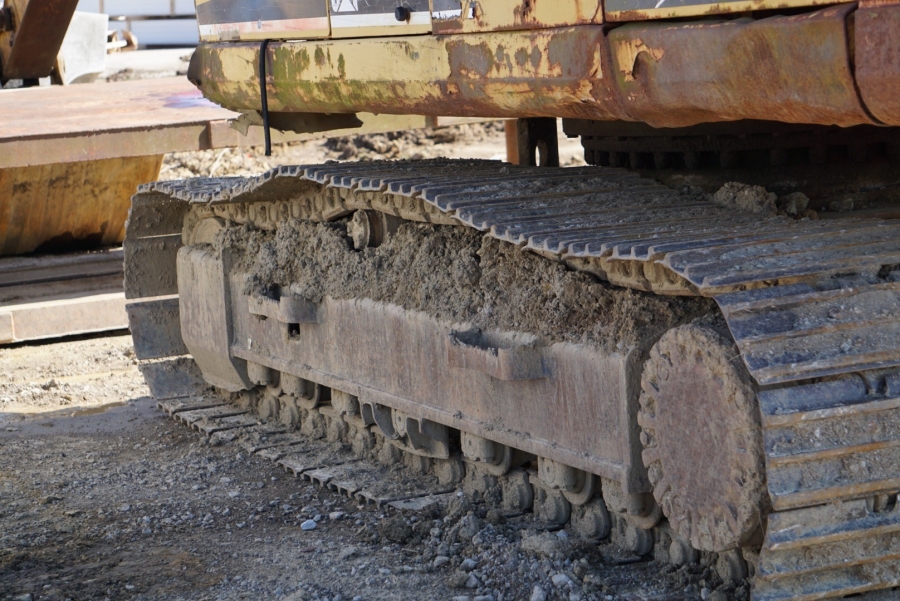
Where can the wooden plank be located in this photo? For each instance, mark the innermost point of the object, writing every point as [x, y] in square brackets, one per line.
[52, 319]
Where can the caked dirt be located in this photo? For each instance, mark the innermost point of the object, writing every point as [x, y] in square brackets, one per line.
[121, 502]
[457, 274]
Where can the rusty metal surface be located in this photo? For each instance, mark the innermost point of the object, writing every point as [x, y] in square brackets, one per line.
[642, 10]
[522, 74]
[829, 551]
[67, 206]
[693, 382]
[878, 59]
[60, 124]
[792, 69]
[39, 28]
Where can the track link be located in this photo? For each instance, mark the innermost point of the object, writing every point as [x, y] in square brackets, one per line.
[804, 300]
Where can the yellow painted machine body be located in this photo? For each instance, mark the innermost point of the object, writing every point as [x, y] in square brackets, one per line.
[795, 62]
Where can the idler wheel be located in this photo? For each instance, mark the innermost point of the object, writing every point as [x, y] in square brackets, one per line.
[702, 437]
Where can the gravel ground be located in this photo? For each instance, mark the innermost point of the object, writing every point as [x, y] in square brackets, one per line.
[117, 501]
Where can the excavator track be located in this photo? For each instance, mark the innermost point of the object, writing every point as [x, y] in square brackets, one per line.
[811, 307]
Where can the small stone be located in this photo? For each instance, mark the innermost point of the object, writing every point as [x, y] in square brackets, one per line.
[468, 565]
[308, 525]
[347, 552]
[462, 598]
[472, 581]
[395, 529]
[25, 597]
[469, 526]
[704, 594]
[544, 544]
[125, 508]
[233, 494]
[561, 580]
[793, 203]
[842, 205]
[384, 571]
[718, 596]
[129, 587]
[457, 580]
[336, 515]
[440, 561]
[538, 594]
[743, 197]
[484, 598]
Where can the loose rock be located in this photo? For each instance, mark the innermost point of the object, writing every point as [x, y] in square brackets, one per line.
[544, 544]
[743, 197]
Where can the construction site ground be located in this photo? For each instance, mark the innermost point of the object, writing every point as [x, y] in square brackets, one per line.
[103, 496]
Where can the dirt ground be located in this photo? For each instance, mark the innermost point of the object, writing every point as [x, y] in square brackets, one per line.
[469, 140]
[103, 496]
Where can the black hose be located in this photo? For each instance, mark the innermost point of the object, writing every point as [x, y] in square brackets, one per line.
[263, 97]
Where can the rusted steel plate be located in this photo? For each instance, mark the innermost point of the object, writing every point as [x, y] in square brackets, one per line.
[878, 60]
[69, 205]
[792, 69]
[640, 10]
[58, 124]
[39, 126]
[40, 26]
[829, 551]
[470, 16]
[554, 72]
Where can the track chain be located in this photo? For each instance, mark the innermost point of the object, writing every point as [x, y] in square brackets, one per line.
[803, 299]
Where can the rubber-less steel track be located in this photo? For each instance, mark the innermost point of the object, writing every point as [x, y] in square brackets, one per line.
[814, 308]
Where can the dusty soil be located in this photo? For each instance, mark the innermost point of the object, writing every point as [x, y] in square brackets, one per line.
[120, 502]
[470, 140]
[458, 274]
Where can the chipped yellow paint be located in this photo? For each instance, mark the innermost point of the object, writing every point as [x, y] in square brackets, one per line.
[626, 51]
[523, 73]
[498, 15]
